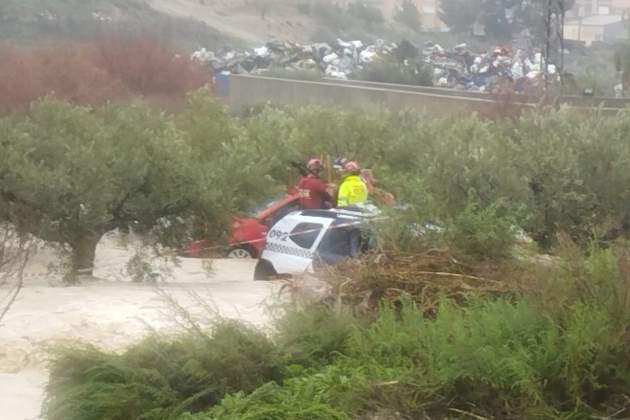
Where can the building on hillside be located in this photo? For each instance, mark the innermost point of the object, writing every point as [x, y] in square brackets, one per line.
[594, 28]
[585, 8]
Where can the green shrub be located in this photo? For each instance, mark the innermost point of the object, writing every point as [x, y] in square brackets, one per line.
[577, 169]
[501, 358]
[160, 378]
[482, 232]
[557, 171]
[528, 356]
[307, 397]
[122, 165]
[71, 174]
[313, 337]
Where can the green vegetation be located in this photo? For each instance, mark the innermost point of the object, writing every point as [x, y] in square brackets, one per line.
[125, 165]
[450, 324]
[558, 350]
[160, 378]
[447, 322]
[71, 174]
[35, 22]
[550, 172]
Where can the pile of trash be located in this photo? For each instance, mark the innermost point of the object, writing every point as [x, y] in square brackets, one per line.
[459, 68]
[337, 60]
[462, 69]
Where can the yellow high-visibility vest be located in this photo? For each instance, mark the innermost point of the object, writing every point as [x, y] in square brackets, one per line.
[352, 191]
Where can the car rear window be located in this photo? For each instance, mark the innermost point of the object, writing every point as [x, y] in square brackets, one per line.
[304, 235]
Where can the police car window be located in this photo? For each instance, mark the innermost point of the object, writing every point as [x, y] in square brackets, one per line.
[305, 234]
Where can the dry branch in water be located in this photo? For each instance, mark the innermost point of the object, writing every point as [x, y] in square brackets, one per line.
[427, 278]
[15, 249]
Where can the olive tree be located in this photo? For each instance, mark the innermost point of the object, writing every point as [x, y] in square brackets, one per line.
[71, 174]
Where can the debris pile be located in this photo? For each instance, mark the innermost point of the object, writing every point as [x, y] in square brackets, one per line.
[426, 277]
[459, 68]
[338, 60]
[462, 69]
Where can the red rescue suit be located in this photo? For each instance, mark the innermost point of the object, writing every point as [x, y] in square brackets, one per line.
[313, 193]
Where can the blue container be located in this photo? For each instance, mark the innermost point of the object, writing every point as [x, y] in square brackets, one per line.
[222, 84]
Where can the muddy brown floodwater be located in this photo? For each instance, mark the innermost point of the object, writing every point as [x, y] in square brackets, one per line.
[111, 313]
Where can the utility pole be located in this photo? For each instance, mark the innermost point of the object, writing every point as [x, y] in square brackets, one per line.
[561, 17]
[547, 44]
[554, 15]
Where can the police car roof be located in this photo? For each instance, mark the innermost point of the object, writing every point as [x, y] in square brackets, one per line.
[333, 213]
[319, 213]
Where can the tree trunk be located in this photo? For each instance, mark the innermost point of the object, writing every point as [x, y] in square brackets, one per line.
[83, 253]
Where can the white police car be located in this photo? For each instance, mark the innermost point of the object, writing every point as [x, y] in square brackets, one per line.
[306, 238]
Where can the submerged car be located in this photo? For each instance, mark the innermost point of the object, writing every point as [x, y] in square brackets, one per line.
[248, 233]
[247, 239]
[301, 240]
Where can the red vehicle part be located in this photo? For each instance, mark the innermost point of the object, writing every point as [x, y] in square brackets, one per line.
[249, 234]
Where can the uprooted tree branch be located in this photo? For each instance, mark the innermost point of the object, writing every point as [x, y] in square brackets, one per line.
[15, 250]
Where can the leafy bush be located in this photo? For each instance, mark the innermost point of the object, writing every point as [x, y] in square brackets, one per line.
[313, 337]
[577, 170]
[160, 378]
[111, 167]
[528, 356]
[482, 233]
[502, 358]
[598, 82]
[557, 171]
[123, 165]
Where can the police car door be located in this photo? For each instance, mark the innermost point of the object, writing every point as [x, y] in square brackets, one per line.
[292, 242]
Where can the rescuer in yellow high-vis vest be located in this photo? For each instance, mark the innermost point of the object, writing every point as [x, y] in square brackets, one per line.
[352, 190]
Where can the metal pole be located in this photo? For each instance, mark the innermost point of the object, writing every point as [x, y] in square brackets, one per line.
[561, 39]
[547, 44]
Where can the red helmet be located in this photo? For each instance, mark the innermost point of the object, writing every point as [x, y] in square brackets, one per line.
[314, 164]
[351, 166]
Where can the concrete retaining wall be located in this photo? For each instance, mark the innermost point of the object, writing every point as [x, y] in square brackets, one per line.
[572, 100]
[248, 91]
